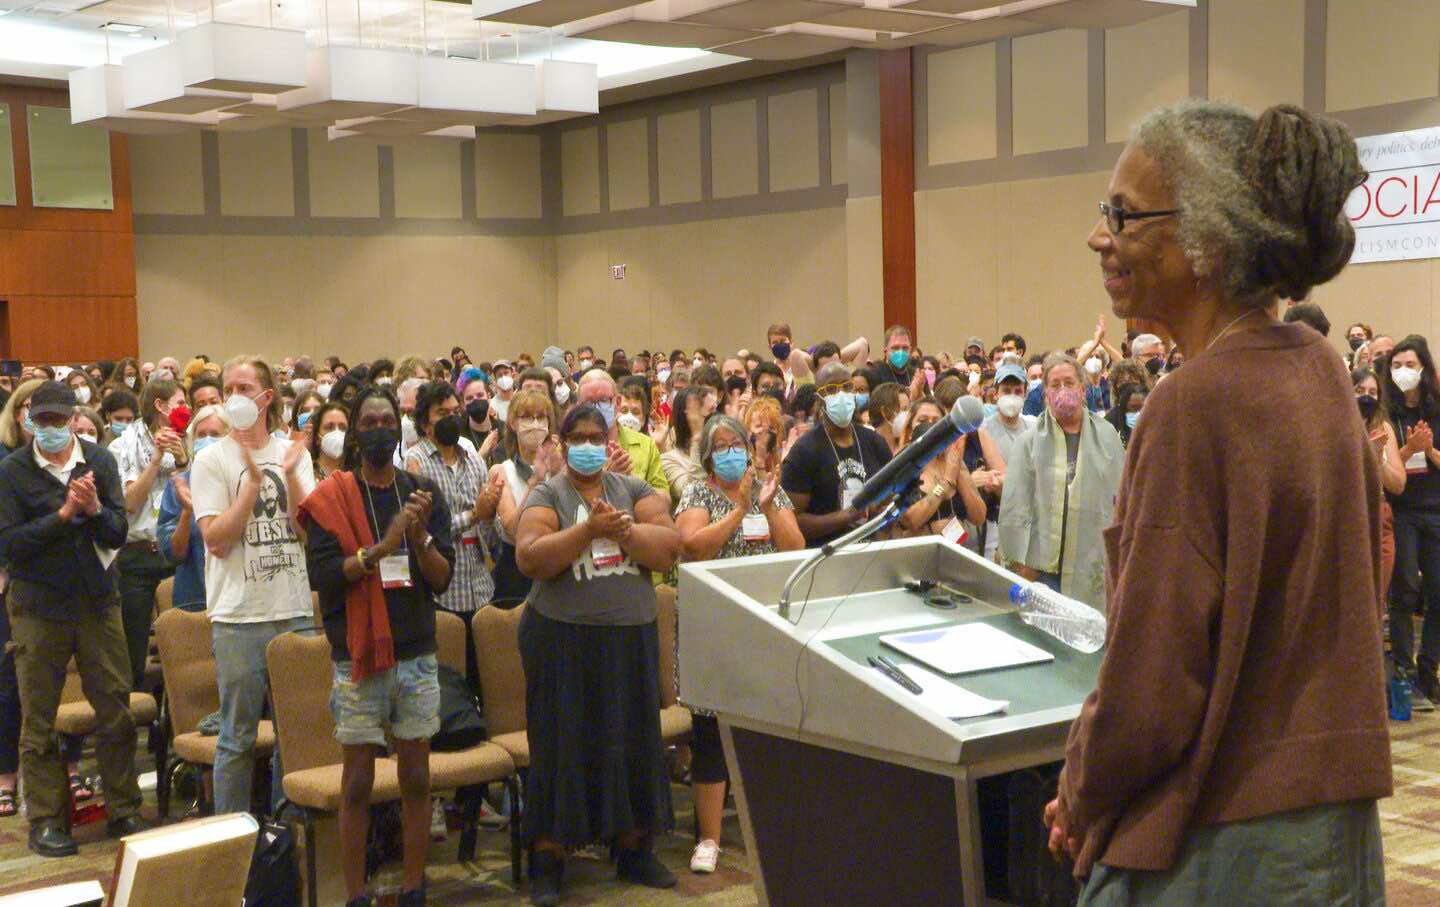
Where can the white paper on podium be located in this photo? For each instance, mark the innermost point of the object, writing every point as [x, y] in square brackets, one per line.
[947, 698]
[966, 648]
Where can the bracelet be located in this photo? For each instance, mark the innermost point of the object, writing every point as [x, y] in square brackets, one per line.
[360, 559]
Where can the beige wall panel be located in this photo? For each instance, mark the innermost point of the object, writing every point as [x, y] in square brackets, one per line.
[837, 135]
[956, 263]
[794, 126]
[1050, 94]
[427, 178]
[344, 177]
[1257, 52]
[678, 150]
[580, 170]
[507, 174]
[734, 150]
[628, 160]
[1147, 65]
[511, 307]
[165, 175]
[582, 261]
[359, 269]
[807, 257]
[1381, 52]
[685, 308]
[864, 280]
[1393, 297]
[178, 288]
[266, 282]
[1049, 281]
[960, 104]
[256, 174]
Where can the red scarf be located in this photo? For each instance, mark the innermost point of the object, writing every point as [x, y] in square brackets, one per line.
[336, 507]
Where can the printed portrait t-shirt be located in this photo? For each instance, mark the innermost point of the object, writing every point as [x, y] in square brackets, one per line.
[263, 576]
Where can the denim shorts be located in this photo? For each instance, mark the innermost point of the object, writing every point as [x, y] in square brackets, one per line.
[406, 699]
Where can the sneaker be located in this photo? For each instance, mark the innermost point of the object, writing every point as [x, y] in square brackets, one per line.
[547, 871]
[489, 818]
[641, 867]
[439, 831]
[707, 853]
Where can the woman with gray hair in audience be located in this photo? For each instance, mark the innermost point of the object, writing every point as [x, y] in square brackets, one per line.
[734, 512]
[1060, 490]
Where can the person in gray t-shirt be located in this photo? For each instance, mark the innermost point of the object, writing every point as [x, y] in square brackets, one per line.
[590, 539]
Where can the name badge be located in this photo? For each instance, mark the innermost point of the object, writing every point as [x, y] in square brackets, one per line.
[606, 553]
[395, 571]
[755, 527]
[954, 531]
[471, 536]
[1418, 464]
[852, 489]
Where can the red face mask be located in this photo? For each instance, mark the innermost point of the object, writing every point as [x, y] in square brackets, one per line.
[180, 418]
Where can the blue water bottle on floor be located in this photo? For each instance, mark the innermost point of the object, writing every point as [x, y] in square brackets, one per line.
[1400, 697]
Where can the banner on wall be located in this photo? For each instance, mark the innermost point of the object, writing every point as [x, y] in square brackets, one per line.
[1396, 212]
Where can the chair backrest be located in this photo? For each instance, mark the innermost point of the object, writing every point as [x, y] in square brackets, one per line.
[502, 675]
[187, 660]
[165, 595]
[450, 640]
[300, 678]
[666, 621]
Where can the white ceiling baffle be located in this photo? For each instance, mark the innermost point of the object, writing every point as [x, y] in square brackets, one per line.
[229, 56]
[566, 88]
[543, 13]
[97, 97]
[154, 81]
[652, 23]
[460, 91]
[347, 82]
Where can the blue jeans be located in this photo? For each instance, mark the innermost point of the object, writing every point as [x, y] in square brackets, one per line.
[244, 684]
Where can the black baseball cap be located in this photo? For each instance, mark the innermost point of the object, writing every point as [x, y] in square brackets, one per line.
[52, 397]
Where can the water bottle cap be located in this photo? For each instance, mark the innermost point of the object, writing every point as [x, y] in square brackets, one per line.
[1017, 591]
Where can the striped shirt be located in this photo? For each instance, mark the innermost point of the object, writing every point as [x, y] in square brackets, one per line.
[471, 584]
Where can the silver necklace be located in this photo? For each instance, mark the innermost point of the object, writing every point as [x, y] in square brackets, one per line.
[1225, 330]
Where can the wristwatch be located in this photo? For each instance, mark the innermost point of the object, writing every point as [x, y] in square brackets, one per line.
[360, 559]
[939, 489]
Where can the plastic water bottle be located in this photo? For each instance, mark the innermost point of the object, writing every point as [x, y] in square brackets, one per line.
[1400, 697]
[1074, 623]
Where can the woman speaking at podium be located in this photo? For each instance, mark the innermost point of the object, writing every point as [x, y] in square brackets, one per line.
[1235, 744]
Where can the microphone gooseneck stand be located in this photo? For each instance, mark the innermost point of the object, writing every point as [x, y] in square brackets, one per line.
[892, 512]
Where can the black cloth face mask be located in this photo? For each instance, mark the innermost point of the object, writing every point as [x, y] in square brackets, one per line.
[377, 445]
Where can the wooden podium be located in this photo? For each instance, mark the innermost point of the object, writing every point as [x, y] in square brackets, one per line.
[851, 791]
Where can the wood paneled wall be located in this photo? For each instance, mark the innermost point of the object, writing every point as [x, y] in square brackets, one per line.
[67, 276]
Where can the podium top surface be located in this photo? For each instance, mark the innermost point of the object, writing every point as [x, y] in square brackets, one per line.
[1029, 688]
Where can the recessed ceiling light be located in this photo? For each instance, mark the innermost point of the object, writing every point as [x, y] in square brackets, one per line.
[123, 28]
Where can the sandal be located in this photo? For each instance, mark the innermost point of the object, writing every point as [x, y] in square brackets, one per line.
[80, 788]
[8, 805]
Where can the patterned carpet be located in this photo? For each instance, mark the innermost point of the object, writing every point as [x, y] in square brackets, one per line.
[1411, 822]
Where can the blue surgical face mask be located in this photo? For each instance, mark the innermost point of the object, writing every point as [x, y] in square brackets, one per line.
[1131, 419]
[303, 420]
[52, 438]
[991, 409]
[1034, 383]
[840, 408]
[118, 428]
[202, 443]
[899, 358]
[861, 401]
[730, 464]
[586, 459]
[607, 409]
[29, 424]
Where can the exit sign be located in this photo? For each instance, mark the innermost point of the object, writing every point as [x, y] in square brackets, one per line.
[617, 272]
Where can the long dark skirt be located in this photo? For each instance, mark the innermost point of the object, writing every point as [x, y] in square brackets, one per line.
[592, 704]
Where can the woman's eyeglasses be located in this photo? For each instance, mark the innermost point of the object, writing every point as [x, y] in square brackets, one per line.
[1116, 216]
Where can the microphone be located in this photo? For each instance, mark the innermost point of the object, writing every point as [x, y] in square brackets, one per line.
[967, 415]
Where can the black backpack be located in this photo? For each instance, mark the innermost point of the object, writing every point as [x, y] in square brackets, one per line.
[274, 878]
[461, 724]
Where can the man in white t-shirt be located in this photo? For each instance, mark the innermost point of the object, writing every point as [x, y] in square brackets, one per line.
[246, 490]
[1005, 427]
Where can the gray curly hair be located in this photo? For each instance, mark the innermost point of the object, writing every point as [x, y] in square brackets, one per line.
[1261, 198]
[707, 442]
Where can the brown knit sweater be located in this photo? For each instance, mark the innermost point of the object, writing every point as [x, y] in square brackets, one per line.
[1242, 674]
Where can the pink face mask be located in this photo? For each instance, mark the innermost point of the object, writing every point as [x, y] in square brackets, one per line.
[1065, 402]
[930, 377]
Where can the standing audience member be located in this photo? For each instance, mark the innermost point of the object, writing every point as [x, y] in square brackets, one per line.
[943, 479]
[176, 529]
[591, 537]
[379, 553]
[682, 461]
[149, 452]
[246, 489]
[1411, 398]
[825, 468]
[1392, 475]
[327, 443]
[1060, 491]
[534, 456]
[736, 511]
[62, 515]
[629, 451]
